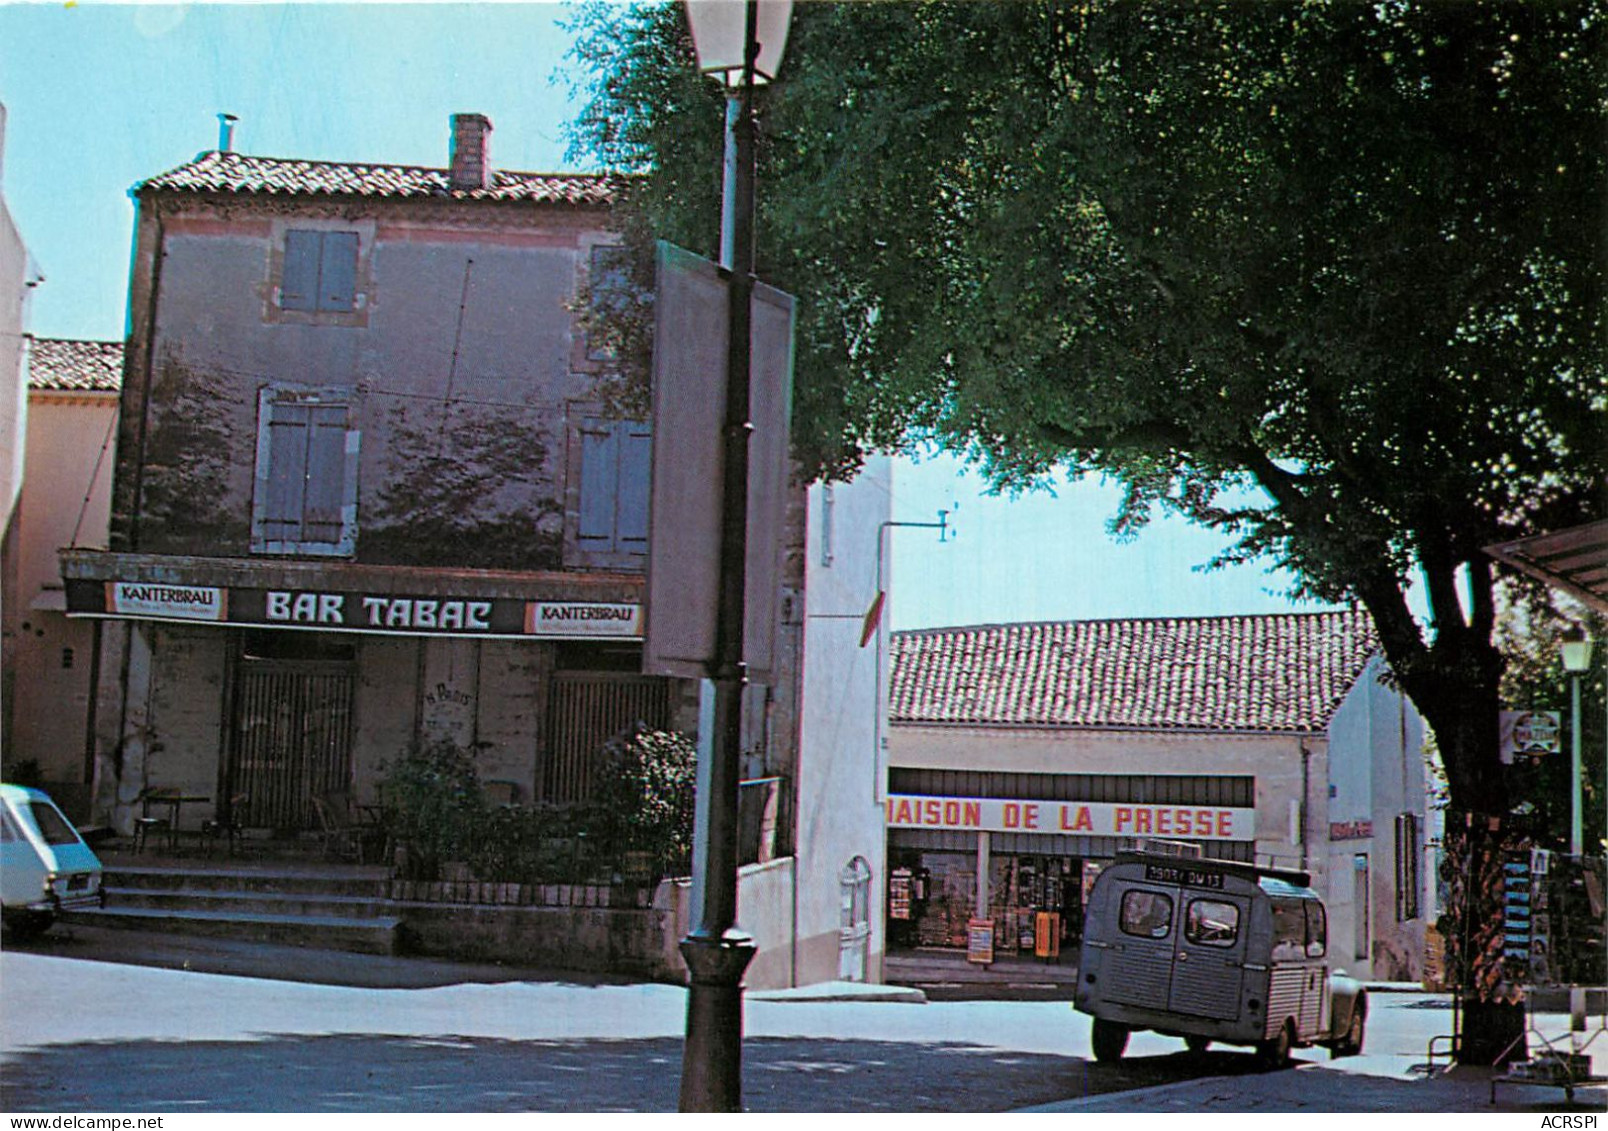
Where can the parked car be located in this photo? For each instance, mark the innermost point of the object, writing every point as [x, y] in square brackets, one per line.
[1210, 950]
[45, 866]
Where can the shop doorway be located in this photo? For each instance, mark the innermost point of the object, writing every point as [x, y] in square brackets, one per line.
[290, 733]
[854, 933]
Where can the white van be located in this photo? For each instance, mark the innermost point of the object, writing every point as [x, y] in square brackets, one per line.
[1210, 950]
[45, 866]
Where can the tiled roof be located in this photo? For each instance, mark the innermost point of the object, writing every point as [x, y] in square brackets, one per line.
[71, 364]
[1247, 673]
[276, 176]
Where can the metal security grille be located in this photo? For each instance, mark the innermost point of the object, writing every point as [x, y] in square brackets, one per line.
[588, 709]
[291, 738]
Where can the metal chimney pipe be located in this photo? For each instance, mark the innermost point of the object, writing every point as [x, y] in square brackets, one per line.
[226, 132]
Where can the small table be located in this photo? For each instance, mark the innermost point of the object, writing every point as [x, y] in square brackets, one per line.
[174, 803]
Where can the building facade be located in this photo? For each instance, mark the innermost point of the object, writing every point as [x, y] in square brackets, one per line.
[367, 499]
[17, 277]
[1022, 757]
[65, 502]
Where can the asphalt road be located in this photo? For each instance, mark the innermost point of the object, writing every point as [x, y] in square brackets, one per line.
[107, 1021]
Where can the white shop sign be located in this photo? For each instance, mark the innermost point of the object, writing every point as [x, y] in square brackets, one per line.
[588, 619]
[178, 602]
[1070, 818]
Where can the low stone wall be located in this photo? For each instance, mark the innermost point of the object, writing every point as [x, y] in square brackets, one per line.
[596, 928]
[584, 927]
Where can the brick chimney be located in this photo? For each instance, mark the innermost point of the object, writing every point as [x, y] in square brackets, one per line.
[470, 163]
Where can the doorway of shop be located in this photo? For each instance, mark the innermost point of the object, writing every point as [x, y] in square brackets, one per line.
[290, 733]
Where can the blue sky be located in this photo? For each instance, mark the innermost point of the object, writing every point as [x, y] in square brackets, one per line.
[100, 97]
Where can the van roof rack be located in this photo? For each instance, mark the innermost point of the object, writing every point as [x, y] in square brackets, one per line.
[1226, 867]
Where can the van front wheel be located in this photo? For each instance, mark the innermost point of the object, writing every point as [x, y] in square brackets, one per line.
[1110, 1038]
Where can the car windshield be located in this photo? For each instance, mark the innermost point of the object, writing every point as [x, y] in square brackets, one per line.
[51, 824]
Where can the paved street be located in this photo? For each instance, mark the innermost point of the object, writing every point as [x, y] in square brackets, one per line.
[79, 1033]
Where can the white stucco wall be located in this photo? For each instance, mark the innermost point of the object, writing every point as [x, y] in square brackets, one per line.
[839, 782]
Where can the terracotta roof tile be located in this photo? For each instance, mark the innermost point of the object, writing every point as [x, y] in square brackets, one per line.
[276, 176]
[1241, 673]
[70, 364]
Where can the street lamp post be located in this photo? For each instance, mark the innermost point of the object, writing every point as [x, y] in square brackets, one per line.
[740, 42]
[1576, 651]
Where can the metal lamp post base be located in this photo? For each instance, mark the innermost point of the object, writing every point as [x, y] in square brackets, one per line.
[712, 1060]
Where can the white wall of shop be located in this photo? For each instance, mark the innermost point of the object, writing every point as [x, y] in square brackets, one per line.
[839, 782]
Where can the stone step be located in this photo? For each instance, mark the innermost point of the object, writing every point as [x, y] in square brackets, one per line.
[370, 883]
[378, 935]
[264, 902]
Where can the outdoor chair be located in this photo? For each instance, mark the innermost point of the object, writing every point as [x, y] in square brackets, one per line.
[225, 825]
[349, 831]
[147, 822]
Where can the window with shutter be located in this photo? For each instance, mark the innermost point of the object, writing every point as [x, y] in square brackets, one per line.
[615, 464]
[320, 271]
[306, 484]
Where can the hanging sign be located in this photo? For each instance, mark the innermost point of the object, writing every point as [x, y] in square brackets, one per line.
[1530, 733]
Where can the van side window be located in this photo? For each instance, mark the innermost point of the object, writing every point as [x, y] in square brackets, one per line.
[8, 831]
[1211, 923]
[1289, 929]
[1147, 914]
[1317, 929]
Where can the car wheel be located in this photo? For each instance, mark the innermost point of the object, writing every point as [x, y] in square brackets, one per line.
[1275, 1051]
[1351, 1043]
[1197, 1045]
[1109, 1039]
[25, 925]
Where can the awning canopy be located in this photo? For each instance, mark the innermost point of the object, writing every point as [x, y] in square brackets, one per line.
[1573, 560]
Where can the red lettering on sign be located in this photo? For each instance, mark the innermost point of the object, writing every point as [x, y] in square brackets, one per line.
[1124, 817]
[934, 813]
[1030, 816]
[1013, 815]
[974, 814]
[1164, 822]
[1225, 821]
[1183, 822]
[952, 813]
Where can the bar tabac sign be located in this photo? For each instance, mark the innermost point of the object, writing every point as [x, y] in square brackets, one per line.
[416, 615]
[1070, 818]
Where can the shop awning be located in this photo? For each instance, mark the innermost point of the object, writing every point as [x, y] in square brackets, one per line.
[1573, 560]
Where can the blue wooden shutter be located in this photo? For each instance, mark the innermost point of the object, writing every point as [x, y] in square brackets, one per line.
[600, 479]
[337, 274]
[287, 472]
[636, 463]
[325, 493]
[298, 284]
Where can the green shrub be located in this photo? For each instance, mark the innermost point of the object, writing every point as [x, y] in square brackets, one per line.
[642, 800]
[433, 807]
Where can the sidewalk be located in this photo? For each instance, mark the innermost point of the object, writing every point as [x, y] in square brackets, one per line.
[1326, 1088]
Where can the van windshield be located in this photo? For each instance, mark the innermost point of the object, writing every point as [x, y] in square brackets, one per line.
[51, 824]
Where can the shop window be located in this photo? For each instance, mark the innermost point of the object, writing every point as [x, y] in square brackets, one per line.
[1212, 923]
[305, 498]
[1145, 914]
[320, 271]
[615, 461]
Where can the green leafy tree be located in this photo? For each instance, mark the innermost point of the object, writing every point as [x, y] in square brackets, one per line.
[1342, 260]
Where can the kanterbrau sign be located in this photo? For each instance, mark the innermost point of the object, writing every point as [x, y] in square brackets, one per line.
[333, 611]
[1078, 818]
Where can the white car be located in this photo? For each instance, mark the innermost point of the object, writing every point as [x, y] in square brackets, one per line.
[45, 866]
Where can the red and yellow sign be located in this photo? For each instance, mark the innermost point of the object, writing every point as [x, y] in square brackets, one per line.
[1081, 818]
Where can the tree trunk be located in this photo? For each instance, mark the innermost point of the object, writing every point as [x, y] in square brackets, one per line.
[1455, 684]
